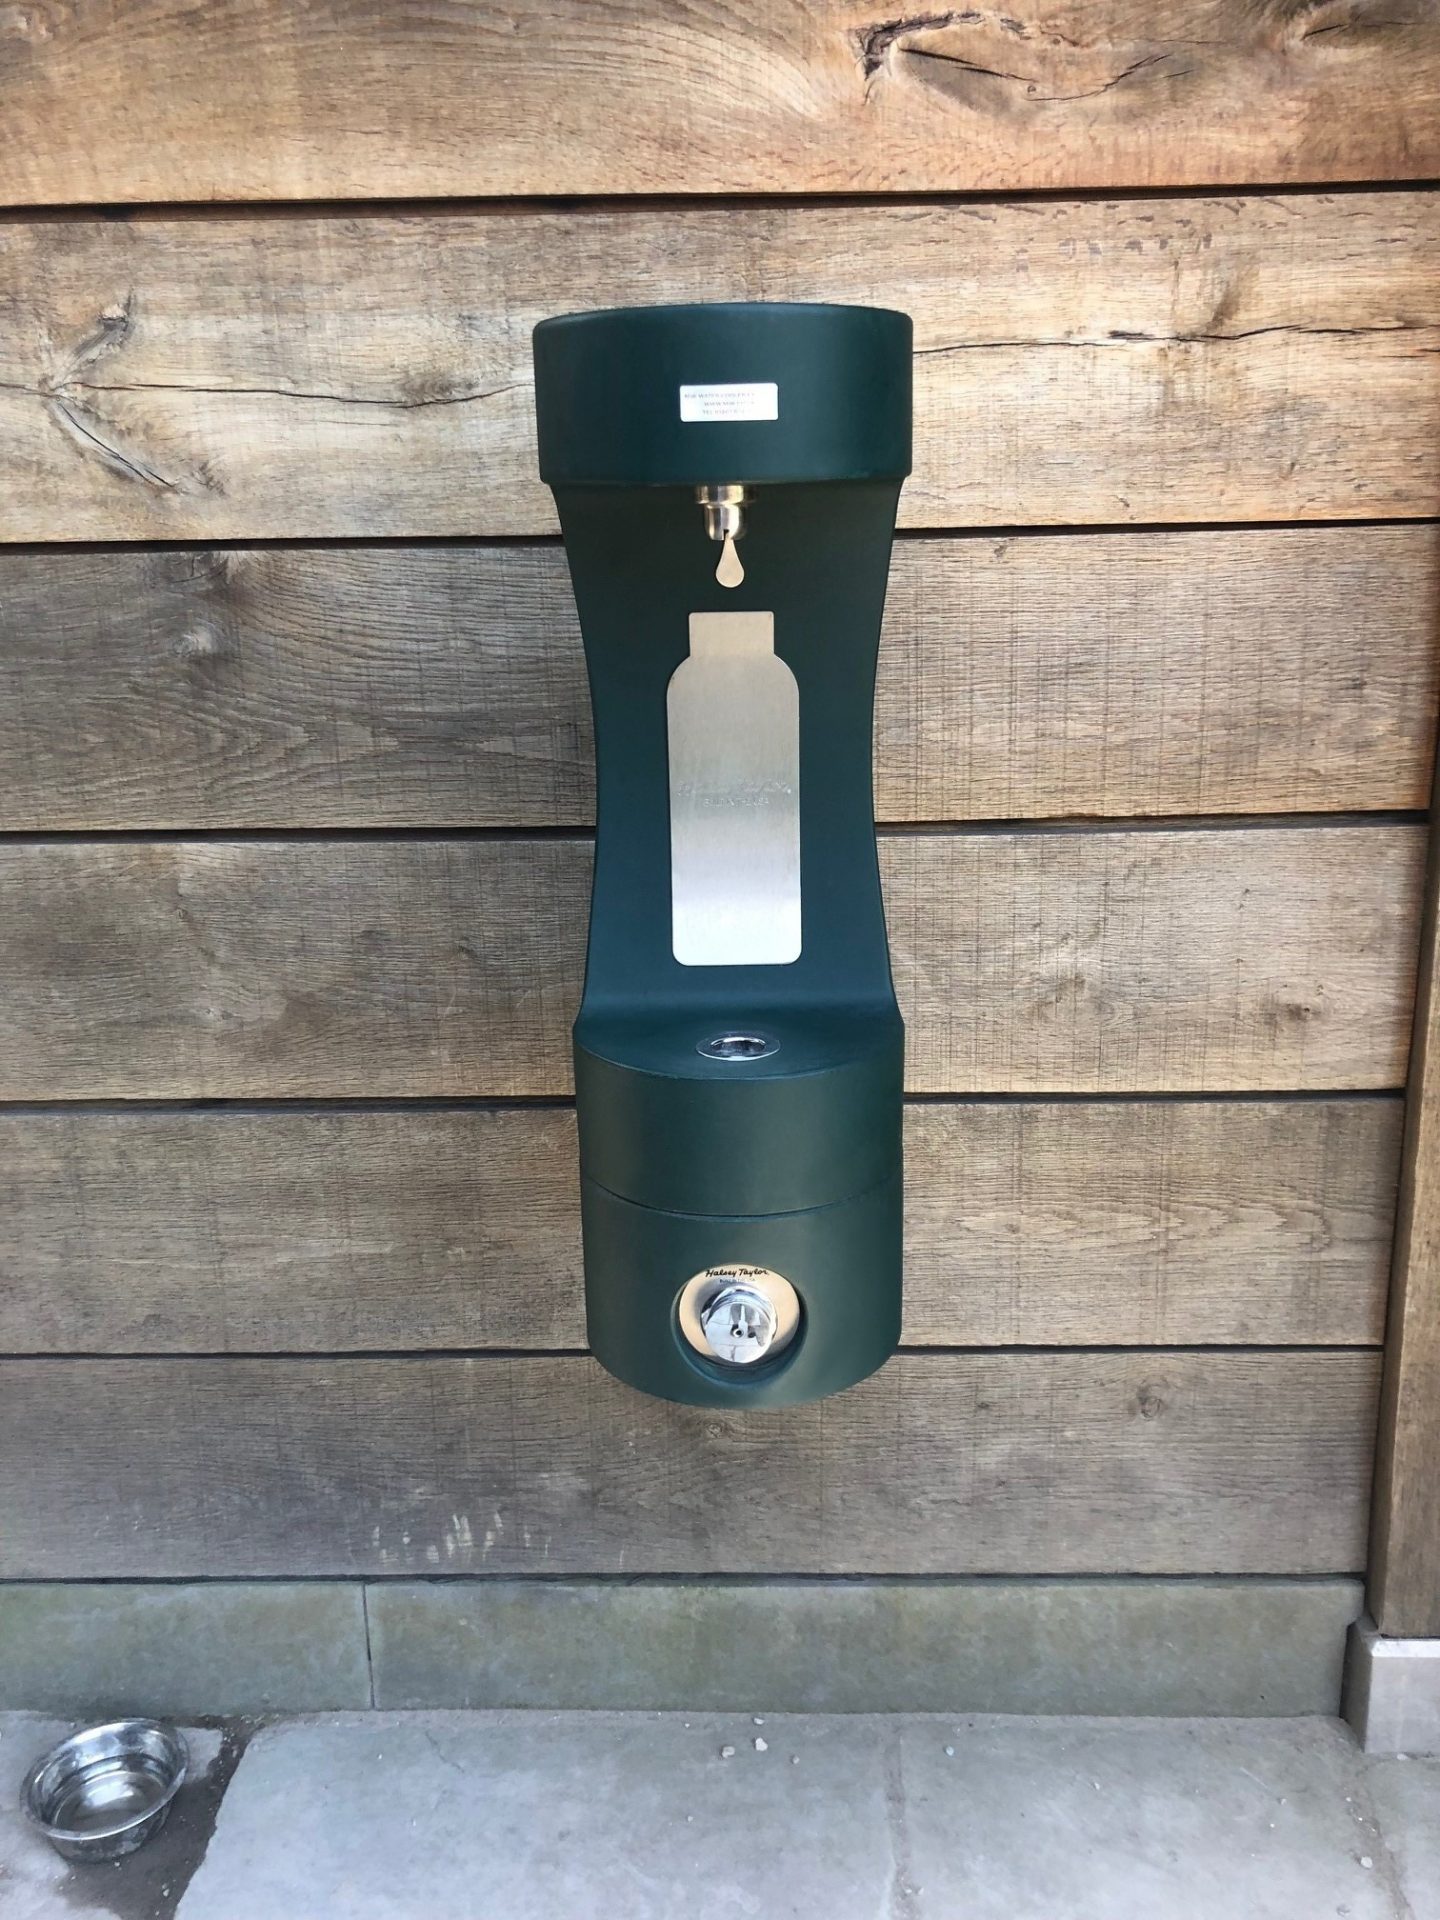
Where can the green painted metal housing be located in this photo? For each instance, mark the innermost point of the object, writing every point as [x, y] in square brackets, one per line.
[790, 1162]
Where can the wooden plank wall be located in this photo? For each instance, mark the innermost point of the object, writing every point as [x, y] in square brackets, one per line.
[294, 770]
[1404, 1585]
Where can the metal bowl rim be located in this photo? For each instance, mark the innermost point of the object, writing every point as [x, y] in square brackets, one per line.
[170, 1735]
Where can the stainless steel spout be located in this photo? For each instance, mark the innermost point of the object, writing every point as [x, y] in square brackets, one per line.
[724, 510]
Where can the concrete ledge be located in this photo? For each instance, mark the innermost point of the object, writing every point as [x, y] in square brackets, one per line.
[214, 1647]
[1181, 1647]
[1392, 1692]
[1191, 1647]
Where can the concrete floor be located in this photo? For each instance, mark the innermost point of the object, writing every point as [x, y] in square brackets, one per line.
[550, 1816]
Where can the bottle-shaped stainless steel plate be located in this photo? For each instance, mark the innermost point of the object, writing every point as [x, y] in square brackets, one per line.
[733, 717]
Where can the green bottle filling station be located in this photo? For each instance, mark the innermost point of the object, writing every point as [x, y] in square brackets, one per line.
[727, 480]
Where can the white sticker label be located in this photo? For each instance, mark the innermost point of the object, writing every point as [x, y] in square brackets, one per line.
[743, 400]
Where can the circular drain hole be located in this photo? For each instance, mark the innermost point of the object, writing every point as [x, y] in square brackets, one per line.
[737, 1046]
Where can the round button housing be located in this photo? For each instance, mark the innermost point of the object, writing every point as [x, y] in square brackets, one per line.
[738, 1315]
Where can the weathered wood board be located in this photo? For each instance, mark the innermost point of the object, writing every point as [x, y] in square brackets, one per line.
[1070, 960]
[1175, 1222]
[1028, 1224]
[1266, 358]
[1405, 1547]
[1146, 1462]
[1260, 671]
[254, 99]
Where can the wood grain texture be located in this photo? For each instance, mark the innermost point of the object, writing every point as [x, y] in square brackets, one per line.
[1109, 674]
[253, 99]
[1077, 361]
[1179, 1222]
[1151, 1462]
[1028, 1224]
[1105, 962]
[1405, 1546]
[1068, 960]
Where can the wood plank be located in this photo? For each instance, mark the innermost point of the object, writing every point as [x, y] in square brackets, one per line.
[1028, 1224]
[1404, 1587]
[1077, 361]
[1105, 962]
[1149, 1462]
[1173, 1223]
[1086, 961]
[1262, 671]
[254, 99]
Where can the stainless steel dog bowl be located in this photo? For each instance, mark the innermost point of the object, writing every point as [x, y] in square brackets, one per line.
[106, 1790]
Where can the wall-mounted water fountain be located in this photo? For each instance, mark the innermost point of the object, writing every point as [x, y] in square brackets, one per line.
[727, 479]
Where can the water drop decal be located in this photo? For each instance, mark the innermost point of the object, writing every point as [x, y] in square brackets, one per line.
[729, 572]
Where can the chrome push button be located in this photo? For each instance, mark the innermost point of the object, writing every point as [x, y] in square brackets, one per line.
[738, 1315]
